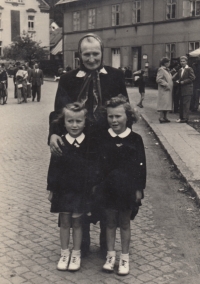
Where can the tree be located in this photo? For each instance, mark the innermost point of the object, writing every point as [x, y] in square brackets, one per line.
[24, 48]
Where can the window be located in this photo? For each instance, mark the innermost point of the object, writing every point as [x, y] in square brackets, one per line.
[76, 21]
[191, 8]
[193, 45]
[1, 49]
[16, 1]
[91, 18]
[170, 51]
[31, 20]
[115, 15]
[136, 12]
[171, 9]
[116, 57]
[0, 21]
[15, 24]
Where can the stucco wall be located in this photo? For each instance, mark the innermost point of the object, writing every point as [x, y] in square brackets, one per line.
[41, 21]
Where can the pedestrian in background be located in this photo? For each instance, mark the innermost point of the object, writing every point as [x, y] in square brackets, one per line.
[184, 78]
[4, 82]
[128, 75]
[29, 70]
[141, 86]
[17, 65]
[165, 87]
[21, 83]
[70, 181]
[36, 79]
[175, 93]
[4, 77]
[194, 105]
[124, 178]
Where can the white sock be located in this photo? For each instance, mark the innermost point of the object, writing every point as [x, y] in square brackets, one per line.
[65, 252]
[76, 252]
[124, 256]
[111, 253]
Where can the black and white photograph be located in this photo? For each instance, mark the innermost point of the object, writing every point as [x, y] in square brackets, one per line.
[100, 142]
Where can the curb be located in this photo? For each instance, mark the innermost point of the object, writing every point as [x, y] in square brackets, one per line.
[186, 174]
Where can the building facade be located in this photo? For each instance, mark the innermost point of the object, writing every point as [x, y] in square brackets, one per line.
[135, 33]
[18, 16]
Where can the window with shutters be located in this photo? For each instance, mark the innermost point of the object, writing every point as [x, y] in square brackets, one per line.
[76, 21]
[31, 23]
[170, 50]
[193, 45]
[191, 8]
[15, 24]
[136, 15]
[91, 18]
[115, 15]
[171, 9]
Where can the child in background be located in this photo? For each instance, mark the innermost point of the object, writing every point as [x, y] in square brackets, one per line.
[70, 178]
[124, 171]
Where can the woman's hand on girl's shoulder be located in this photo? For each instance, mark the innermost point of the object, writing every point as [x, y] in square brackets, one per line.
[50, 196]
[138, 196]
[55, 142]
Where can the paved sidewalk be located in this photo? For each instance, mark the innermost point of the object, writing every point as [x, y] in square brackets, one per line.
[181, 141]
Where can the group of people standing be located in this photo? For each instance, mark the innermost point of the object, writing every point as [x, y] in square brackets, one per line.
[97, 170]
[27, 81]
[183, 79]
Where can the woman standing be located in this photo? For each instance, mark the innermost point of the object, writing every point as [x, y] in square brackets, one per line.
[165, 87]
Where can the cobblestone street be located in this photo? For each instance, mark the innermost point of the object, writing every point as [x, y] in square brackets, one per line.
[165, 242]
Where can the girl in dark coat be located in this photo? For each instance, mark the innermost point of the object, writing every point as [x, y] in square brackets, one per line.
[70, 178]
[124, 171]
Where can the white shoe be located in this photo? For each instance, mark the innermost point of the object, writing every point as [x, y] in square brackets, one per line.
[75, 263]
[123, 267]
[63, 262]
[110, 263]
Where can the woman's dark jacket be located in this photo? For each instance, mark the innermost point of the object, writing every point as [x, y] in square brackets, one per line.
[112, 84]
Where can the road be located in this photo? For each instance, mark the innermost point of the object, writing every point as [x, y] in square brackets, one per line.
[165, 245]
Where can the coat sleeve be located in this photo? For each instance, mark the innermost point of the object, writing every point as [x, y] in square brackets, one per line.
[62, 98]
[191, 77]
[42, 77]
[122, 85]
[141, 165]
[160, 79]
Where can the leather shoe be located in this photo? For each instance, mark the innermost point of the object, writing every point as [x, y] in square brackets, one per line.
[182, 120]
[162, 120]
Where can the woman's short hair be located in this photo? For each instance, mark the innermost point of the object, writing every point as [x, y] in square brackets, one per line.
[164, 60]
[75, 107]
[184, 57]
[119, 100]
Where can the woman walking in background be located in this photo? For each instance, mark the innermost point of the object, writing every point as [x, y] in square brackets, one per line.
[165, 87]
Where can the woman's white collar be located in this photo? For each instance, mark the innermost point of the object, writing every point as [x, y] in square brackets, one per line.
[81, 73]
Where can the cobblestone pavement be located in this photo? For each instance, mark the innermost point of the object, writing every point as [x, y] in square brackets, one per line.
[29, 237]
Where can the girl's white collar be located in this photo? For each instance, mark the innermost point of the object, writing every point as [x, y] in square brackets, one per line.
[121, 135]
[71, 139]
